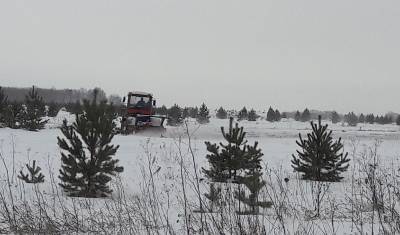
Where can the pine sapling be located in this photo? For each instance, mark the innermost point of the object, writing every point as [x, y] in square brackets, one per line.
[87, 157]
[221, 113]
[13, 115]
[237, 163]
[203, 115]
[271, 115]
[242, 115]
[34, 176]
[252, 116]
[320, 157]
[214, 196]
[32, 119]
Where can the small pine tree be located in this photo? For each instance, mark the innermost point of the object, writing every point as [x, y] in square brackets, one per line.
[398, 120]
[383, 119]
[370, 118]
[13, 115]
[297, 116]
[221, 113]
[252, 116]
[194, 112]
[320, 158]
[388, 119]
[306, 115]
[361, 118]
[277, 116]
[34, 112]
[254, 184]
[378, 119]
[34, 176]
[185, 112]
[87, 156]
[335, 117]
[203, 116]
[252, 179]
[271, 115]
[351, 119]
[161, 110]
[74, 108]
[237, 162]
[52, 109]
[175, 116]
[243, 114]
[225, 164]
[214, 196]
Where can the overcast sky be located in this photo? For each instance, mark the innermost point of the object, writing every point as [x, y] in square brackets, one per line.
[341, 54]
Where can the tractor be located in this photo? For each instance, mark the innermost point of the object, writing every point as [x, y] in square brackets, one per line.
[138, 113]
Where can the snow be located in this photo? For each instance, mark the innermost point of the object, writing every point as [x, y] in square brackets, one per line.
[277, 140]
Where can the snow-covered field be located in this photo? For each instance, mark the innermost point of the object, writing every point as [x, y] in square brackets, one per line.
[164, 156]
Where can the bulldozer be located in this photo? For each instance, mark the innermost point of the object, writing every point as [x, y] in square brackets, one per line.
[138, 113]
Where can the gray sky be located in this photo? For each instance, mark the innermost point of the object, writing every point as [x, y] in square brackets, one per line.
[341, 54]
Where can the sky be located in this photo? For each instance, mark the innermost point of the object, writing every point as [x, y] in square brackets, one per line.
[339, 55]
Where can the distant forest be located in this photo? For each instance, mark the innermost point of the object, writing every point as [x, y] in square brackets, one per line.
[60, 96]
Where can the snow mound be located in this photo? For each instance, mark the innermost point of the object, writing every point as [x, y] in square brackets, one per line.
[57, 121]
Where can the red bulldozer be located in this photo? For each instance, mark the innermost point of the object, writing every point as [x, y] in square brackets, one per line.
[138, 113]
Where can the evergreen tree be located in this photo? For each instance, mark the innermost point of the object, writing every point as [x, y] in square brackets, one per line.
[77, 108]
[277, 116]
[221, 113]
[203, 116]
[370, 118]
[214, 196]
[13, 115]
[252, 180]
[242, 115]
[306, 115]
[388, 119]
[3, 105]
[383, 119]
[230, 161]
[254, 183]
[87, 156]
[161, 110]
[252, 116]
[361, 118]
[335, 117]
[52, 109]
[194, 112]
[34, 111]
[271, 115]
[185, 112]
[320, 158]
[74, 108]
[174, 116]
[297, 116]
[34, 176]
[225, 164]
[378, 119]
[398, 120]
[237, 162]
[351, 119]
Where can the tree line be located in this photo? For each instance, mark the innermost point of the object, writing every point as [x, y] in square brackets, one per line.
[177, 114]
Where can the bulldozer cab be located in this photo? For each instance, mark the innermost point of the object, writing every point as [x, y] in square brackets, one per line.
[138, 113]
[140, 103]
